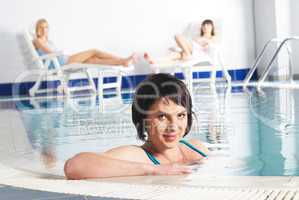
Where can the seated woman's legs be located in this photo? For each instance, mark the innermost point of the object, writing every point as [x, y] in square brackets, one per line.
[109, 61]
[185, 45]
[186, 53]
[99, 57]
[169, 59]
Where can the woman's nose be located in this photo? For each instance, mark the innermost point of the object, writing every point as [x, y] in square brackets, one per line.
[172, 128]
[172, 123]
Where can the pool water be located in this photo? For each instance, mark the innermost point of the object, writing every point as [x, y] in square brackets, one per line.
[248, 132]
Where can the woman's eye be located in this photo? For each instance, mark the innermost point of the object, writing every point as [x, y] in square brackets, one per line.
[181, 115]
[161, 117]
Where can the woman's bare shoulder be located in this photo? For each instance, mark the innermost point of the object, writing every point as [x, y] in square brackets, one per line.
[126, 148]
[38, 42]
[199, 145]
[129, 152]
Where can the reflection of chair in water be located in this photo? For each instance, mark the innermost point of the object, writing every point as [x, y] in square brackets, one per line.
[219, 122]
[103, 85]
[98, 103]
[92, 117]
[112, 105]
[49, 104]
[82, 102]
[39, 133]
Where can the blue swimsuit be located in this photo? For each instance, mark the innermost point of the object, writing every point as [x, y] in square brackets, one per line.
[156, 161]
[62, 59]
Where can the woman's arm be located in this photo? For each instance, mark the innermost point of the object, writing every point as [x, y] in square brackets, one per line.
[92, 165]
[206, 42]
[199, 145]
[39, 44]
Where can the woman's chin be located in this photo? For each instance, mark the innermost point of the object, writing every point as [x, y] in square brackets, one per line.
[170, 141]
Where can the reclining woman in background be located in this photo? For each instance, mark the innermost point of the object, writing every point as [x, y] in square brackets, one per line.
[93, 56]
[202, 47]
[162, 114]
[204, 43]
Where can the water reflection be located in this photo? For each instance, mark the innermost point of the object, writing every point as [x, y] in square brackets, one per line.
[275, 111]
[251, 133]
[231, 132]
[52, 130]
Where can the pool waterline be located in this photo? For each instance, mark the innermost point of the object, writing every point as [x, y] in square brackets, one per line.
[249, 133]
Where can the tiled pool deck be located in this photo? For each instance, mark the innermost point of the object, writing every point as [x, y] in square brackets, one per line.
[152, 187]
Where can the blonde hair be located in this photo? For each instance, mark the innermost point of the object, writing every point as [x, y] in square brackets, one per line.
[38, 25]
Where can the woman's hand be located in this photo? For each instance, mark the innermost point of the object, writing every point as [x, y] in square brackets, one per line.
[204, 45]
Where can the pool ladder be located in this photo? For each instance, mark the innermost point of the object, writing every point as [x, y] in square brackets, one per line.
[267, 69]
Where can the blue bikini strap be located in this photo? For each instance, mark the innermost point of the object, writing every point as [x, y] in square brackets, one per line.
[193, 148]
[156, 162]
[151, 157]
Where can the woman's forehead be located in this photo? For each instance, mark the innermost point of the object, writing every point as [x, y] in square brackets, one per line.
[207, 24]
[167, 105]
[43, 24]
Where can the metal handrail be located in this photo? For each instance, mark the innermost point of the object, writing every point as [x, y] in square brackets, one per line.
[266, 71]
[257, 61]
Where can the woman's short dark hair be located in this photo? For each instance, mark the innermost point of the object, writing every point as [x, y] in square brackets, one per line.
[153, 88]
[207, 21]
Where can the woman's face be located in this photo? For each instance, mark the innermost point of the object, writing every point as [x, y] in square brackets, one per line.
[166, 123]
[43, 29]
[207, 28]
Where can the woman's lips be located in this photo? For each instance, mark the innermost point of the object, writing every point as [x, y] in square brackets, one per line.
[169, 137]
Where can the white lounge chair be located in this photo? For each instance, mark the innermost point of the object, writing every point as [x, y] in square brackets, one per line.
[190, 66]
[64, 73]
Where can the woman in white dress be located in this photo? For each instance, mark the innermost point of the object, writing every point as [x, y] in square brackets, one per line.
[203, 43]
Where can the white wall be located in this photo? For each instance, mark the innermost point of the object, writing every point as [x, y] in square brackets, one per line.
[294, 7]
[265, 28]
[276, 19]
[124, 27]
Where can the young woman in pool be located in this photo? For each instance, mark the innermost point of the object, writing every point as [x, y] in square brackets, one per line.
[92, 56]
[162, 115]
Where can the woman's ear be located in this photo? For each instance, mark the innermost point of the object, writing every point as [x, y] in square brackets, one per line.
[146, 125]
